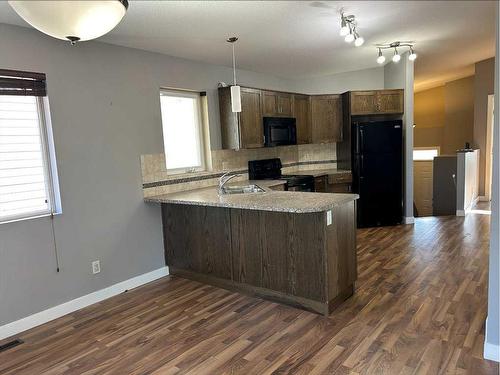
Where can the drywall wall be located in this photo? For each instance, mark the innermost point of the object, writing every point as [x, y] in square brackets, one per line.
[429, 117]
[444, 116]
[105, 112]
[459, 113]
[401, 76]
[367, 79]
[483, 86]
[492, 339]
[467, 181]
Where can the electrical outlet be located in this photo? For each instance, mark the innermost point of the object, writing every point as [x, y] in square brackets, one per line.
[96, 267]
[329, 218]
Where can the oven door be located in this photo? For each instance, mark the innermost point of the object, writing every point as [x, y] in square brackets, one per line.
[302, 187]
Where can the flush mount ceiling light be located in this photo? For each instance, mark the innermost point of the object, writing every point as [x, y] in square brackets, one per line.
[72, 20]
[235, 89]
[348, 29]
[395, 45]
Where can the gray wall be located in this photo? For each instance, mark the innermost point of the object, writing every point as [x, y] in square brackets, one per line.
[368, 79]
[493, 326]
[105, 112]
[401, 76]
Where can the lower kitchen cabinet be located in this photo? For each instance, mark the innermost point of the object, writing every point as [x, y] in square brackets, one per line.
[294, 258]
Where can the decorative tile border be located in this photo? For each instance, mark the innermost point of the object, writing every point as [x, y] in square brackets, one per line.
[208, 176]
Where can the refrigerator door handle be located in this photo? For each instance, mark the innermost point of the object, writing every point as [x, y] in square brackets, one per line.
[361, 141]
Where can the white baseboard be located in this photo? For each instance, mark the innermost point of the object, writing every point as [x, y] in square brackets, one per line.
[18, 326]
[491, 351]
[409, 220]
[460, 213]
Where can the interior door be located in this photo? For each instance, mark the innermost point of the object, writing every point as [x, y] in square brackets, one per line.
[422, 186]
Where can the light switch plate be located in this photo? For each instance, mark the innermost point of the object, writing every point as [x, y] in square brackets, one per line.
[329, 217]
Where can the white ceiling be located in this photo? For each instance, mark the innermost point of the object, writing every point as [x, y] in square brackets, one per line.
[299, 39]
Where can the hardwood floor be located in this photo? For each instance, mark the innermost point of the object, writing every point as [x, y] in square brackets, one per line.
[419, 308]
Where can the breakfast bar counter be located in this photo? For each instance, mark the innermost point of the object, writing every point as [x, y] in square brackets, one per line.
[296, 248]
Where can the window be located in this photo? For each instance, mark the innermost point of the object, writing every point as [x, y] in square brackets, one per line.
[182, 131]
[425, 153]
[26, 182]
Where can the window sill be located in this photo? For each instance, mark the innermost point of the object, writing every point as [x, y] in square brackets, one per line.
[29, 218]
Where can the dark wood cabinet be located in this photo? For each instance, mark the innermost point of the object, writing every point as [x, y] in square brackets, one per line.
[390, 101]
[295, 258]
[244, 129]
[363, 102]
[276, 104]
[302, 114]
[326, 113]
[340, 183]
[376, 102]
[250, 119]
[320, 184]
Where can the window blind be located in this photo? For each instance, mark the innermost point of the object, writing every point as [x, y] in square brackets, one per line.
[14, 82]
[24, 178]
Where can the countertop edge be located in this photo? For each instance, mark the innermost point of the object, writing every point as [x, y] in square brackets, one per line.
[164, 199]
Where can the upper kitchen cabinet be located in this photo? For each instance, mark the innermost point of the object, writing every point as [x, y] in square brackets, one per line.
[276, 104]
[302, 114]
[376, 102]
[244, 129]
[326, 123]
[390, 101]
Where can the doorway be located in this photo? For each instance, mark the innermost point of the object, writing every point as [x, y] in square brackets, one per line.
[489, 148]
[423, 179]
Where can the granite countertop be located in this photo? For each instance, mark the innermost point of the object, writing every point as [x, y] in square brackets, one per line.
[270, 200]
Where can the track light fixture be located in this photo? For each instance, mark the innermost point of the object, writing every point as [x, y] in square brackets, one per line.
[395, 45]
[348, 29]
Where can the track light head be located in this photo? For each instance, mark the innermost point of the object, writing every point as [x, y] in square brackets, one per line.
[358, 40]
[412, 55]
[349, 37]
[344, 29]
[380, 58]
[396, 56]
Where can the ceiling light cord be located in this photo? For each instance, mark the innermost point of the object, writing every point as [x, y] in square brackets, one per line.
[234, 66]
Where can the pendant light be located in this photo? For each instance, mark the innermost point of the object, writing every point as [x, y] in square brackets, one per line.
[235, 89]
[72, 20]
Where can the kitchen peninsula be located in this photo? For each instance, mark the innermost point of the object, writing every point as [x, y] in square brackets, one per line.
[297, 248]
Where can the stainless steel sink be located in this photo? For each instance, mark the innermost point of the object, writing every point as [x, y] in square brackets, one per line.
[241, 189]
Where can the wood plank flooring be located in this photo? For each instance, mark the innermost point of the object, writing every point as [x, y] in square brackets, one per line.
[419, 308]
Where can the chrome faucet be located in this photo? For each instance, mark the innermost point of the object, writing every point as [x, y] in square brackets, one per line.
[224, 179]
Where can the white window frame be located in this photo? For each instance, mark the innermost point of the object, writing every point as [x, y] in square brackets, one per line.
[199, 130]
[49, 168]
[438, 148]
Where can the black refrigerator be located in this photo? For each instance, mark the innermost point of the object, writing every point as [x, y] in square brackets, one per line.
[377, 167]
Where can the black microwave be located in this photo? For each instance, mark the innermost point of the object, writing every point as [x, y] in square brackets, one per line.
[279, 131]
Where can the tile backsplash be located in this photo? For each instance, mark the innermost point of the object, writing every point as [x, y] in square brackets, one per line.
[156, 180]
